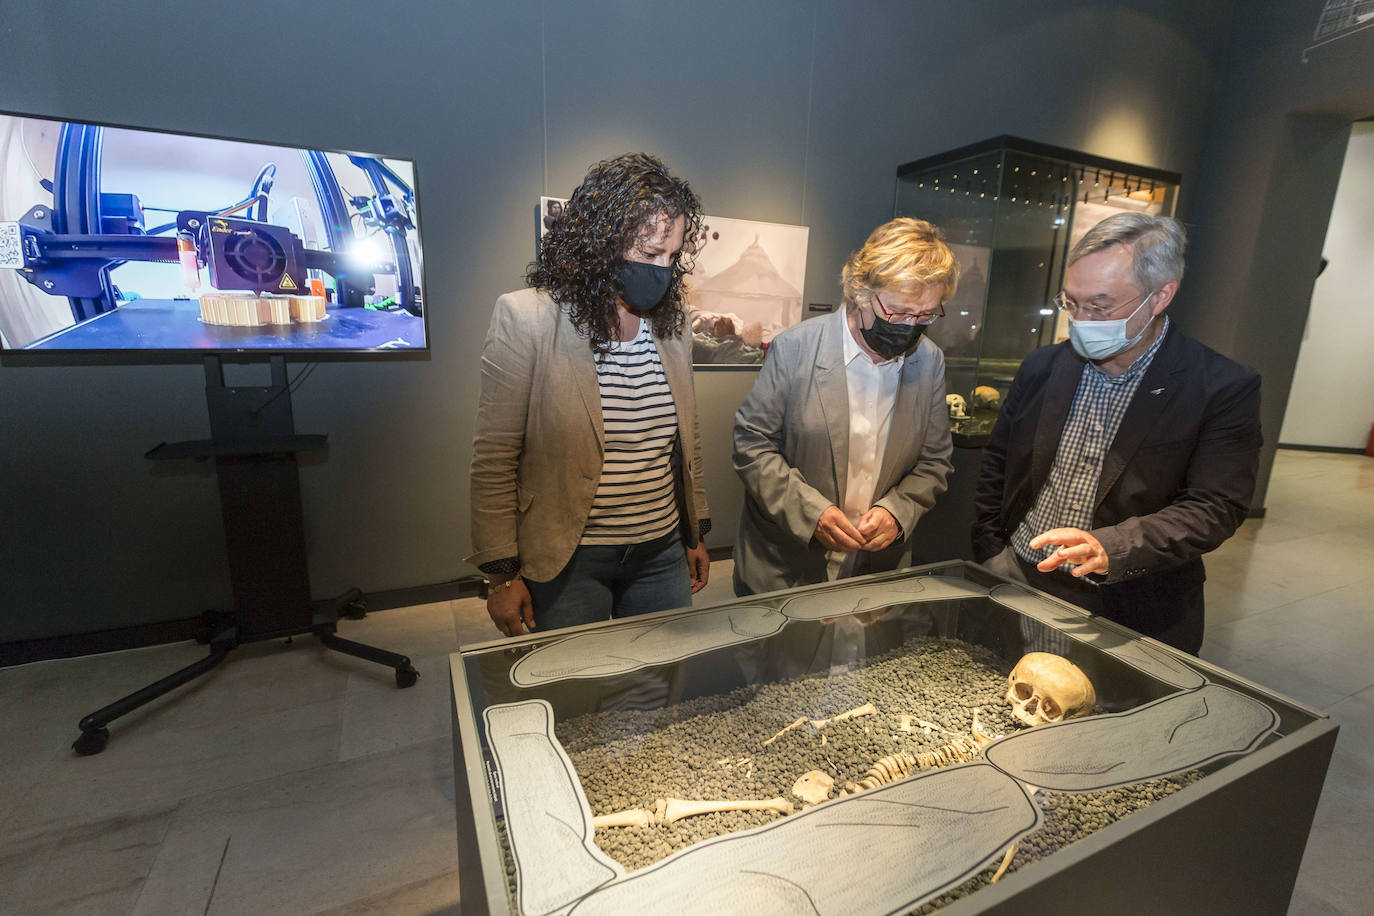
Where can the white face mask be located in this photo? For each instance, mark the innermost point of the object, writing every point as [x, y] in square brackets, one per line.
[1099, 340]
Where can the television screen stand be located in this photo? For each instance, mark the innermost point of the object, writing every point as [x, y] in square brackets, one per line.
[254, 446]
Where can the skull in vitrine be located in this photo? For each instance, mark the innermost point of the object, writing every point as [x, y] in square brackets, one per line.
[986, 396]
[1045, 688]
[958, 407]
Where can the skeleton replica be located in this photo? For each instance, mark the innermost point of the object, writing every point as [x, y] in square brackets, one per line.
[1046, 688]
[1042, 688]
[985, 396]
[816, 786]
[958, 407]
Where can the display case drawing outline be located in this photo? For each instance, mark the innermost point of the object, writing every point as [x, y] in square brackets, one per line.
[1206, 673]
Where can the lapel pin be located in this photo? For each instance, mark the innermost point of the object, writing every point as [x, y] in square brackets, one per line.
[1156, 391]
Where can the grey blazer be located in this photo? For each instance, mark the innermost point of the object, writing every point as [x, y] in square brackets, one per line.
[792, 452]
[538, 450]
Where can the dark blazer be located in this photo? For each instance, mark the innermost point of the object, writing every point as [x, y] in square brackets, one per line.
[1176, 482]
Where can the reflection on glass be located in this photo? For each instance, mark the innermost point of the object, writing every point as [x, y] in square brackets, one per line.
[909, 678]
[1012, 210]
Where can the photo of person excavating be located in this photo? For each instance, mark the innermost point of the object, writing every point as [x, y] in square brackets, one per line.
[122, 239]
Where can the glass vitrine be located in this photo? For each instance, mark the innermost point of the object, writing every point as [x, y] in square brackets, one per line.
[878, 745]
[1012, 209]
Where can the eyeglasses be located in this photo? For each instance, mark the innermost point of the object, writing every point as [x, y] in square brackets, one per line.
[1095, 312]
[907, 318]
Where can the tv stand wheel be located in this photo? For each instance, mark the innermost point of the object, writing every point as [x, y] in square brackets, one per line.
[92, 741]
[406, 676]
[355, 609]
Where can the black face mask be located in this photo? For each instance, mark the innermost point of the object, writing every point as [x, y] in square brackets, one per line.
[643, 285]
[890, 340]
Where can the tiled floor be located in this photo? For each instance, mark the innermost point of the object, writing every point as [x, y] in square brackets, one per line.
[1290, 605]
[292, 780]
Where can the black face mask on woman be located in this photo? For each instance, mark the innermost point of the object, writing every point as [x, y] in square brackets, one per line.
[643, 285]
[890, 340]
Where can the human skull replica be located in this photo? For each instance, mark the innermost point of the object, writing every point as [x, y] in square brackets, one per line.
[1047, 688]
[957, 406]
[986, 396]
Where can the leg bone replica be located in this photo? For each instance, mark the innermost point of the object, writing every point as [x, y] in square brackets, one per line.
[671, 810]
[889, 769]
[1047, 688]
[635, 817]
[1006, 862]
[675, 809]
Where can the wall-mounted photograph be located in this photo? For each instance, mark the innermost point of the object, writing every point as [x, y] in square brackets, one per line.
[745, 288]
[115, 238]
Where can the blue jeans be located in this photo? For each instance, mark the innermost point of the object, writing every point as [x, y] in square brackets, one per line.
[601, 582]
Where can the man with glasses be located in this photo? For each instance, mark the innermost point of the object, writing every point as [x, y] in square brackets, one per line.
[1125, 453]
[844, 443]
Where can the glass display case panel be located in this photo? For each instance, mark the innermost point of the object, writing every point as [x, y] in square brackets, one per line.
[1012, 210]
[873, 745]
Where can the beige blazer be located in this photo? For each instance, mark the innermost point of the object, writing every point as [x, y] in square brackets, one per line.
[792, 453]
[539, 446]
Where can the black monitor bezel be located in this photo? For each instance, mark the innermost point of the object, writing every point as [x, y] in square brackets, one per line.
[130, 356]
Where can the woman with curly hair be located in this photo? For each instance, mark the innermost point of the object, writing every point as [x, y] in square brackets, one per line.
[587, 493]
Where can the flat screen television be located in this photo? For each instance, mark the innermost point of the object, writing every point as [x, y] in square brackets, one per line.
[118, 240]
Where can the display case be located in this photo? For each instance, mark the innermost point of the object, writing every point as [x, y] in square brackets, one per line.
[1012, 209]
[861, 747]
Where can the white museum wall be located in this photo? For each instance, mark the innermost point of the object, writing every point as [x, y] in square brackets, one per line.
[1332, 400]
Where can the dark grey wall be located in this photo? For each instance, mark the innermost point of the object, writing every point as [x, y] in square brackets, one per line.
[1267, 183]
[788, 111]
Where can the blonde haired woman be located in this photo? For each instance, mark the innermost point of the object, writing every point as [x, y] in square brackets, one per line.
[843, 443]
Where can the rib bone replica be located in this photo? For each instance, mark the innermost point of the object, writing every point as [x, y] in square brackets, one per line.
[961, 749]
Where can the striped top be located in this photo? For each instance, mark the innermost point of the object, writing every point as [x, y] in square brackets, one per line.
[1069, 495]
[635, 499]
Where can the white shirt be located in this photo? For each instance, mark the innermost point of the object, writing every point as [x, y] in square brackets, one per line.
[872, 397]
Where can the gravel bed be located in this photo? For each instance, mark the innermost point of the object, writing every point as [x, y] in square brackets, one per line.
[713, 748]
[1070, 817]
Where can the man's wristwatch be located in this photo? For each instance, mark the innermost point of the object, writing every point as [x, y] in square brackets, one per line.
[495, 588]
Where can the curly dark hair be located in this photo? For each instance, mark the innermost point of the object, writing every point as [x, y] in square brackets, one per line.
[579, 258]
